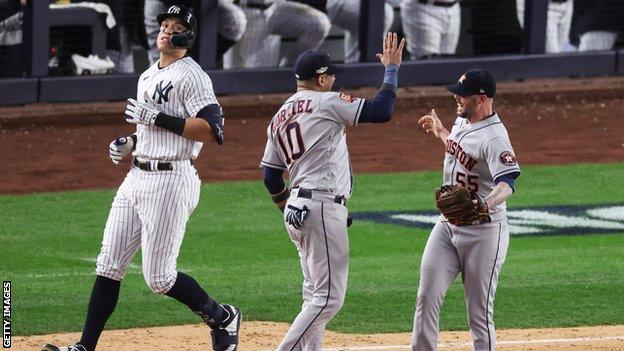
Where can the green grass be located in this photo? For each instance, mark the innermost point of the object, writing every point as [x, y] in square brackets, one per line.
[237, 248]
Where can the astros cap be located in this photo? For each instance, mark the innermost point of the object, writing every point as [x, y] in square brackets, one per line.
[312, 64]
[474, 82]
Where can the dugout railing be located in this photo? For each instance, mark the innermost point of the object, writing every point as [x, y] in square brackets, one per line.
[533, 63]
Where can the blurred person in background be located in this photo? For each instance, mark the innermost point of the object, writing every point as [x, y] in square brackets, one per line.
[346, 15]
[431, 27]
[597, 24]
[268, 21]
[558, 23]
[231, 26]
[11, 15]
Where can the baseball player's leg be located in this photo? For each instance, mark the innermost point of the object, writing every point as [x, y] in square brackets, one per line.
[450, 37]
[231, 26]
[346, 15]
[324, 248]
[308, 24]
[520, 12]
[257, 47]
[316, 339]
[484, 249]
[152, 9]
[552, 30]
[165, 203]
[122, 237]
[438, 268]
[597, 40]
[422, 27]
[565, 24]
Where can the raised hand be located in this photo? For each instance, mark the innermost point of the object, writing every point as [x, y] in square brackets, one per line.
[392, 50]
[432, 124]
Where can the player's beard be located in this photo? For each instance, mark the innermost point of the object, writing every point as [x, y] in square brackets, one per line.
[467, 111]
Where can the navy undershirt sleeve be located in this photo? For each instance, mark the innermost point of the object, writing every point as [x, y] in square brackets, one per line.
[380, 108]
[509, 179]
[273, 180]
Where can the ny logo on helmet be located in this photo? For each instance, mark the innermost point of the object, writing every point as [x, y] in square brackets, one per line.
[162, 93]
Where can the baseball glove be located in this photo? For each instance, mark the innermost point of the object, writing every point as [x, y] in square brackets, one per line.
[461, 206]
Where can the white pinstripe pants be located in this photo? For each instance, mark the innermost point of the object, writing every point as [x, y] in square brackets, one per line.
[150, 210]
[430, 29]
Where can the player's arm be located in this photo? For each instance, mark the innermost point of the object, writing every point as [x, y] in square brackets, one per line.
[206, 127]
[503, 190]
[274, 182]
[380, 108]
[432, 124]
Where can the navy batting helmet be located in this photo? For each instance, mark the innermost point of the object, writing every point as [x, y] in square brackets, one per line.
[186, 39]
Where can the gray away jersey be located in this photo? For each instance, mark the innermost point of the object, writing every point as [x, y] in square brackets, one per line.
[307, 136]
[477, 154]
[181, 90]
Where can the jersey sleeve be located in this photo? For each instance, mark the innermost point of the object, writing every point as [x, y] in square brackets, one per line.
[500, 157]
[197, 91]
[341, 107]
[271, 156]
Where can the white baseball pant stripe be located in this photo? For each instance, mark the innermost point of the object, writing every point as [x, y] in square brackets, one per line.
[478, 252]
[323, 247]
[137, 218]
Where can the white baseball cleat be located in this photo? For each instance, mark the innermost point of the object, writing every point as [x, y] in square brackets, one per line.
[50, 347]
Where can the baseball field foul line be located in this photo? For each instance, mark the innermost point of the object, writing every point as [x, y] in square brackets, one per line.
[459, 344]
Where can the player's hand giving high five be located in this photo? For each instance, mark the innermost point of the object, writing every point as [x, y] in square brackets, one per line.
[392, 50]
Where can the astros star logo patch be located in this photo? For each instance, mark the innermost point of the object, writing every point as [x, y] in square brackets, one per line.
[507, 158]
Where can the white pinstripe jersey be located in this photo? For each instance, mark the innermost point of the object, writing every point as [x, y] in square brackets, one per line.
[476, 154]
[181, 90]
[307, 136]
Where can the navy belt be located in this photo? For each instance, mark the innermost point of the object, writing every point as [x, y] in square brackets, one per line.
[307, 194]
[438, 3]
[160, 166]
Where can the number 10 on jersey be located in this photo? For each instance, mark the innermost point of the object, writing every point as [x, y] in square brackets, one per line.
[295, 147]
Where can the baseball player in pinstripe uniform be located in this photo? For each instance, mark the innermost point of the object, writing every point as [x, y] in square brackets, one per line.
[431, 27]
[346, 15]
[175, 112]
[307, 137]
[270, 20]
[479, 156]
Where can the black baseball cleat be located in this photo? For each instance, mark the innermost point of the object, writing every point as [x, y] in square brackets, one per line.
[50, 347]
[225, 337]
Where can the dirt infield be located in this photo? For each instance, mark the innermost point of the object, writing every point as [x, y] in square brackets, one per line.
[257, 336]
[54, 147]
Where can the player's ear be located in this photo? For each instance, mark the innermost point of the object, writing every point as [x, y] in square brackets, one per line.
[320, 80]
